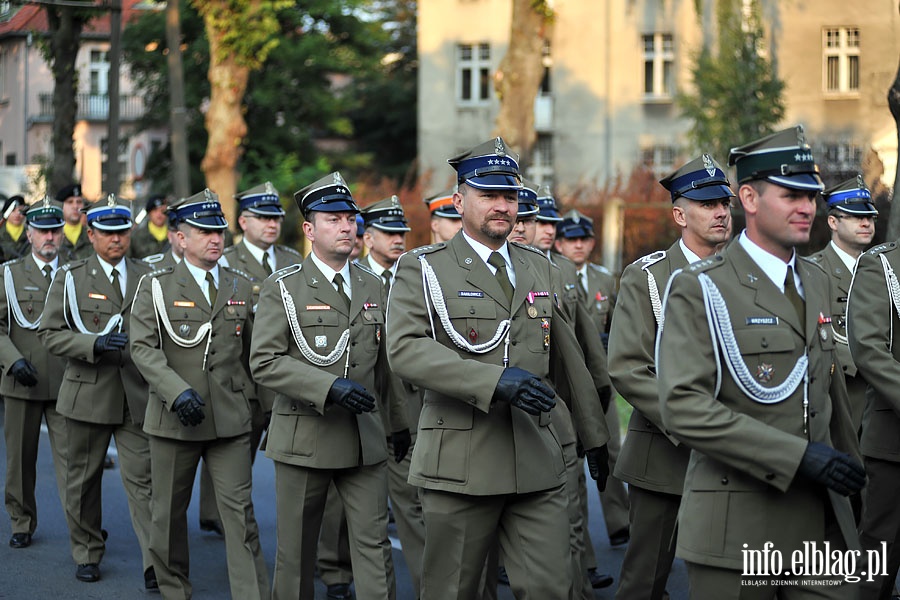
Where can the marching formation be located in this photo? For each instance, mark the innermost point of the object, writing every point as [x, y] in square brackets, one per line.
[466, 389]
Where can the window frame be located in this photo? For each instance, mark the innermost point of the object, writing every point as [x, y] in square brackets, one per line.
[841, 49]
[660, 56]
[479, 90]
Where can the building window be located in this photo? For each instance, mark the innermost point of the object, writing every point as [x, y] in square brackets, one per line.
[99, 73]
[841, 158]
[4, 8]
[659, 66]
[659, 158]
[840, 50]
[541, 169]
[473, 73]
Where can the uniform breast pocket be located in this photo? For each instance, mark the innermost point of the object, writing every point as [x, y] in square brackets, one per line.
[769, 352]
[474, 318]
[186, 320]
[538, 325]
[320, 328]
[372, 330]
[95, 312]
[31, 304]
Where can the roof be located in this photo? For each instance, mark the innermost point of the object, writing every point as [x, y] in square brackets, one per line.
[31, 18]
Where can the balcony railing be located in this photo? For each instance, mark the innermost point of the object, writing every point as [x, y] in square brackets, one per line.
[94, 107]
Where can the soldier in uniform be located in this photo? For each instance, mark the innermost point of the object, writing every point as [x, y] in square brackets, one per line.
[13, 241]
[445, 221]
[151, 236]
[652, 462]
[86, 321]
[757, 398]
[358, 244]
[488, 453]
[31, 375]
[597, 290]
[75, 244]
[851, 218]
[872, 323]
[326, 360]
[190, 338]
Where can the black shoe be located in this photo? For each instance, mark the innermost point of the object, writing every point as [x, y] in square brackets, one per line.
[502, 576]
[619, 537]
[599, 580]
[150, 583]
[20, 540]
[89, 573]
[211, 525]
[339, 591]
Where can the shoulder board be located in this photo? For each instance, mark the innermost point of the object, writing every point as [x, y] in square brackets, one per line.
[366, 269]
[229, 250]
[650, 259]
[162, 271]
[236, 272]
[600, 268]
[428, 249]
[816, 258]
[882, 248]
[154, 258]
[706, 264]
[529, 248]
[285, 271]
[289, 250]
[13, 261]
[74, 264]
[812, 261]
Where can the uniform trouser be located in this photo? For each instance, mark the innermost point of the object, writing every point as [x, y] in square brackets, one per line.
[173, 465]
[615, 498]
[648, 558]
[208, 508]
[22, 431]
[580, 588]
[881, 523]
[333, 556]
[533, 531]
[87, 446]
[300, 495]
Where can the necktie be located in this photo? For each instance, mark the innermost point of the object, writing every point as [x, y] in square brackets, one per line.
[47, 269]
[339, 282]
[117, 289]
[496, 260]
[790, 292]
[213, 293]
[266, 265]
[386, 275]
[582, 295]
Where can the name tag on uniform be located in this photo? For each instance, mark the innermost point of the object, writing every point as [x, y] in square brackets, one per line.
[762, 320]
[31, 288]
[318, 307]
[96, 296]
[184, 304]
[470, 294]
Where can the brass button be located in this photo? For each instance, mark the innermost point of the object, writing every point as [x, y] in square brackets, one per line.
[440, 421]
[725, 480]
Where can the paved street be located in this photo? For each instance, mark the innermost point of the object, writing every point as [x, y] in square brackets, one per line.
[45, 569]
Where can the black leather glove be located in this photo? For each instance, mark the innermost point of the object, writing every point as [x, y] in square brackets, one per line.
[110, 342]
[524, 391]
[835, 470]
[350, 395]
[605, 394]
[598, 465]
[188, 408]
[401, 441]
[24, 372]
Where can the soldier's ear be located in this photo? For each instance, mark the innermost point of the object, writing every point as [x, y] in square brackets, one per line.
[679, 216]
[749, 199]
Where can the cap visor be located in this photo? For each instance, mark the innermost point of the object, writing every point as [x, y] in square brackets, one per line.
[334, 206]
[268, 210]
[801, 181]
[863, 208]
[393, 227]
[709, 192]
[211, 223]
[497, 181]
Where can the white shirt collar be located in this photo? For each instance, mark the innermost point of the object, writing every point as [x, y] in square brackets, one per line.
[108, 269]
[689, 254]
[175, 257]
[374, 265]
[258, 252]
[848, 260]
[774, 268]
[484, 253]
[54, 264]
[328, 272]
[199, 276]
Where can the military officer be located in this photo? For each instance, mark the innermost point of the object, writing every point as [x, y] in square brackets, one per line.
[173, 255]
[13, 241]
[872, 319]
[86, 322]
[358, 244]
[31, 375]
[652, 462]
[597, 290]
[321, 348]
[75, 244]
[151, 235]
[487, 452]
[445, 221]
[851, 218]
[757, 398]
[190, 338]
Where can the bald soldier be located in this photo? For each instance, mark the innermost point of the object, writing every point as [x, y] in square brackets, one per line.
[757, 397]
[652, 462]
[103, 395]
[487, 454]
[31, 375]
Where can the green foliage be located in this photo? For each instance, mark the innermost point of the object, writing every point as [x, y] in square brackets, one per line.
[248, 29]
[737, 95]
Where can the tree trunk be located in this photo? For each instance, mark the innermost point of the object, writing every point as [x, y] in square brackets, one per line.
[65, 33]
[224, 122]
[893, 96]
[519, 77]
[177, 112]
